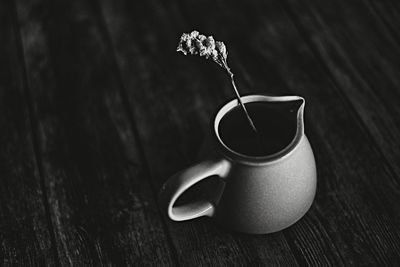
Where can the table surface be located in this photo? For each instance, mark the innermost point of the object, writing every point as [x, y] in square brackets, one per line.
[98, 110]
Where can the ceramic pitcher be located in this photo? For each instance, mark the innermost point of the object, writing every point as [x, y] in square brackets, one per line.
[257, 194]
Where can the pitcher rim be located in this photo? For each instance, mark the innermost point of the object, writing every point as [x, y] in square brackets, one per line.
[259, 160]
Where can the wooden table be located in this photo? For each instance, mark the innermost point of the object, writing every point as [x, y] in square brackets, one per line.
[97, 110]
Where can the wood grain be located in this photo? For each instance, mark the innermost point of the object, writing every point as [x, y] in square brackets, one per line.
[98, 110]
[102, 206]
[24, 227]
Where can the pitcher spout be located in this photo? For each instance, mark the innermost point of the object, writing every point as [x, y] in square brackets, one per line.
[295, 105]
[300, 115]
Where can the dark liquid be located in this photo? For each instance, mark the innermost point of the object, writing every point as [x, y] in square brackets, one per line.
[276, 125]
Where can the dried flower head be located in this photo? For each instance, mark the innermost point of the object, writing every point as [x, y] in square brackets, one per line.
[195, 43]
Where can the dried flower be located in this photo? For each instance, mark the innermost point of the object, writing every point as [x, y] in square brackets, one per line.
[195, 43]
[198, 44]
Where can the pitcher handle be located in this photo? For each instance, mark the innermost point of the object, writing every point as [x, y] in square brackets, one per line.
[183, 180]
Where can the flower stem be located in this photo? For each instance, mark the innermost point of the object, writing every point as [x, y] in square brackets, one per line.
[239, 98]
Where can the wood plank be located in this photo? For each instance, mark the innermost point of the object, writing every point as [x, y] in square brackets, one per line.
[102, 205]
[173, 99]
[24, 227]
[363, 59]
[355, 220]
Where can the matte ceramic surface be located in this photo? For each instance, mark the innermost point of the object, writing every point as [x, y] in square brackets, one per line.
[256, 194]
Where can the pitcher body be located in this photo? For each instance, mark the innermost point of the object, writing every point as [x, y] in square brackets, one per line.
[265, 185]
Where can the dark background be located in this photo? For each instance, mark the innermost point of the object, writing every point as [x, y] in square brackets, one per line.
[97, 110]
